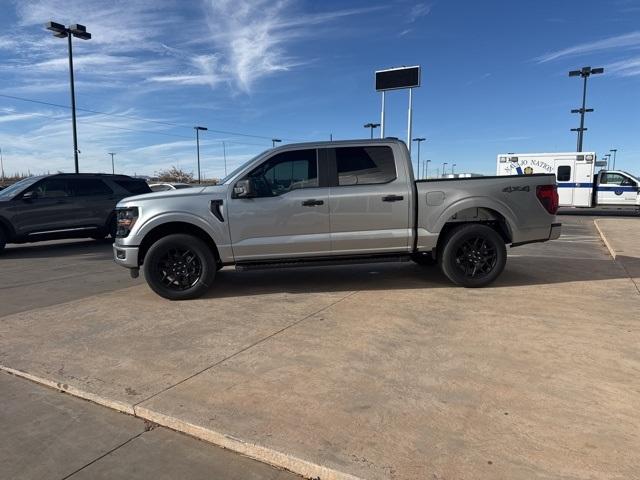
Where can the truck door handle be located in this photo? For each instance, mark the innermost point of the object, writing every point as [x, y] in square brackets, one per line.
[312, 203]
[392, 198]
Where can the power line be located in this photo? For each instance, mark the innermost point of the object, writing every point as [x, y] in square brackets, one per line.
[151, 132]
[223, 132]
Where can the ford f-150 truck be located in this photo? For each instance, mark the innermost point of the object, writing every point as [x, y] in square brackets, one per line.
[331, 203]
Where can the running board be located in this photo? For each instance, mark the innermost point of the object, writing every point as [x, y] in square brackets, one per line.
[321, 261]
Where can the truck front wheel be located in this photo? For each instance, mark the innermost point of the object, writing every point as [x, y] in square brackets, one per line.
[179, 267]
[473, 255]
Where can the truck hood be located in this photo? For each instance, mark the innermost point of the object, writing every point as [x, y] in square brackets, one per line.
[170, 194]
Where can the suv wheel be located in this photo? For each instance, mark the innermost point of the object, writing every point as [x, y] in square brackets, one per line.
[473, 255]
[179, 267]
[3, 239]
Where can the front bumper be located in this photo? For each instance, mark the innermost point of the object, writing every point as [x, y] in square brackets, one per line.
[125, 256]
[556, 230]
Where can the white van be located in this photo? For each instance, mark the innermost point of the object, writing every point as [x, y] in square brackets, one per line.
[578, 183]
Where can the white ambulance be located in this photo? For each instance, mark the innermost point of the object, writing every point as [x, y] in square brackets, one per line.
[579, 185]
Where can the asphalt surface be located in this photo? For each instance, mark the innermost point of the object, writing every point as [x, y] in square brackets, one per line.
[48, 273]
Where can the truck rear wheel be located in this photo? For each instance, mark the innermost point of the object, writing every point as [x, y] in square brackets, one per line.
[180, 267]
[473, 255]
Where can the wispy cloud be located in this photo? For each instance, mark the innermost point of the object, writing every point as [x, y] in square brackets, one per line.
[254, 37]
[629, 67]
[417, 11]
[626, 41]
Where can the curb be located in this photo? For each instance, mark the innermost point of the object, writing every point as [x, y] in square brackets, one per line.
[248, 449]
[612, 252]
[71, 390]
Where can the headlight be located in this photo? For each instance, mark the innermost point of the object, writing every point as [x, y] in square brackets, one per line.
[126, 219]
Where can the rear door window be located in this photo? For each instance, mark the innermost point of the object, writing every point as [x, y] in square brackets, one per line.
[134, 186]
[365, 165]
[84, 187]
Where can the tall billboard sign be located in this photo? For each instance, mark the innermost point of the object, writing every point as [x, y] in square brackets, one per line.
[398, 79]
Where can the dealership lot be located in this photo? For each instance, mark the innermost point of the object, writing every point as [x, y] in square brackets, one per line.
[375, 371]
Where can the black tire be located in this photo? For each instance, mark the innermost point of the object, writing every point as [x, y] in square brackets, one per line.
[179, 267]
[112, 226]
[424, 259]
[473, 255]
[3, 239]
[109, 230]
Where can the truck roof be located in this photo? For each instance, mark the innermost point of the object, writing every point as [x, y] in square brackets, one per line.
[330, 143]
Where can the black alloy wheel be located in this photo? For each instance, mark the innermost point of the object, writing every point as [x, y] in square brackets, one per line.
[180, 267]
[472, 255]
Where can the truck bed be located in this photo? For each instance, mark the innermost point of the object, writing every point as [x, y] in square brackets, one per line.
[510, 200]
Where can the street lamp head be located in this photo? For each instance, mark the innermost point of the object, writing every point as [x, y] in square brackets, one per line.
[200, 128]
[79, 31]
[614, 150]
[56, 27]
[585, 72]
[276, 140]
[419, 139]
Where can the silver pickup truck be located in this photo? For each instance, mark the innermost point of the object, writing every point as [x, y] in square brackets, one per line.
[331, 203]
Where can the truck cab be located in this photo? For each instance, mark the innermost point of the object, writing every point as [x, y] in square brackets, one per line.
[616, 187]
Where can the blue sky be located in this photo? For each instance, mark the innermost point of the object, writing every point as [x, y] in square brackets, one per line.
[494, 78]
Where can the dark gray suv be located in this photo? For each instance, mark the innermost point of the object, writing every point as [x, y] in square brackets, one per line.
[63, 206]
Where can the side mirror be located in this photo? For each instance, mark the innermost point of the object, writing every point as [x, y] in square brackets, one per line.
[243, 189]
[30, 195]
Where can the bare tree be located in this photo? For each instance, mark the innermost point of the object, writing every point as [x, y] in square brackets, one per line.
[174, 174]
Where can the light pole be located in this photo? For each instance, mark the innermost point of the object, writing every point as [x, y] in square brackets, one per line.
[371, 126]
[426, 169]
[1, 166]
[608, 155]
[444, 169]
[584, 72]
[419, 140]
[224, 153]
[274, 141]
[614, 150]
[453, 166]
[198, 129]
[113, 168]
[79, 31]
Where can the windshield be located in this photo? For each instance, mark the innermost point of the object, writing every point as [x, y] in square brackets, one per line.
[12, 190]
[632, 176]
[239, 169]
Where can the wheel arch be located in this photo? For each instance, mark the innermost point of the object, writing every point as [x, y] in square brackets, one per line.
[170, 228]
[7, 229]
[481, 215]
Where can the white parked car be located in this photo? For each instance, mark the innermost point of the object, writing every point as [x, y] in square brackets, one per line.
[163, 187]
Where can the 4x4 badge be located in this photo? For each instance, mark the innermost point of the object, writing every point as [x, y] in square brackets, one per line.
[516, 189]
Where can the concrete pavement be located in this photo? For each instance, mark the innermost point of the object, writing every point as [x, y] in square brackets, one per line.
[50, 435]
[373, 371]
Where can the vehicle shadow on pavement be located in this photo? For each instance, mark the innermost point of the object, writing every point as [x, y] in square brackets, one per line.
[520, 271]
[99, 249]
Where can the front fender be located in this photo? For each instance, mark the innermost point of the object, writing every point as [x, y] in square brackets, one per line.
[216, 229]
